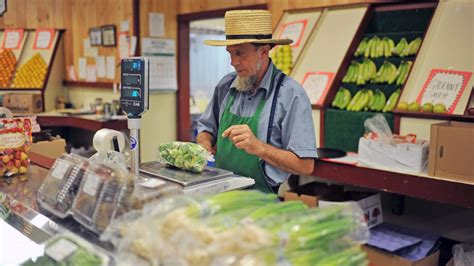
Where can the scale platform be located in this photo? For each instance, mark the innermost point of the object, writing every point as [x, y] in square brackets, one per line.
[211, 180]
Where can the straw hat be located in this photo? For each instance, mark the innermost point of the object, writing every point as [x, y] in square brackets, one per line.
[247, 26]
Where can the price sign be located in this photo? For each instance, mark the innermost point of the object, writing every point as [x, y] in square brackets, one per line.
[316, 85]
[12, 39]
[294, 31]
[444, 86]
[43, 39]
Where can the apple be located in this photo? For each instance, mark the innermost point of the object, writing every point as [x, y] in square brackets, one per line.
[427, 108]
[22, 169]
[25, 163]
[439, 108]
[414, 107]
[18, 155]
[14, 171]
[10, 165]
[5, 158]
[402, 106]
[23, 156]
[17, 163]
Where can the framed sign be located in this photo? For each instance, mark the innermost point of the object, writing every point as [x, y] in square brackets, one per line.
[294, 31]
[3, 7]
[108, 35]
[12, 39]
[444, 86]
[95, 35]
[316, 85]
[43, 39]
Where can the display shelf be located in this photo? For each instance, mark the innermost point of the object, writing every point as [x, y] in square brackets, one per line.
[394, 21]
[452, 117]
[424, 187]
[104, 85]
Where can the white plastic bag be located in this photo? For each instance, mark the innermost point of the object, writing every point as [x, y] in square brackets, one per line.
[463, 254]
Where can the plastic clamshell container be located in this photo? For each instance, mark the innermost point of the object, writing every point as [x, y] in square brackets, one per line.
[102, 196]
[59, 188]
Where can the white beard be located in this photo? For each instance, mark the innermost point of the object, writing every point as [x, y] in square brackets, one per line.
[249, 83]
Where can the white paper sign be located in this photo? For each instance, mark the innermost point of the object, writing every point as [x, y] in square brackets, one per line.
[444, 86]
[91, 184]
[124, 26]
[110, 67]
[100, 63]
[82, 67]
[43, 39]
[124, 46]
[156, 24]
[89, 51]
[161, 53]
[91, 75]
[71, 72]
[316, 85]
[12, 39]
[294, 31]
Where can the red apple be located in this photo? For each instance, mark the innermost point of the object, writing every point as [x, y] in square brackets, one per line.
[17, 163]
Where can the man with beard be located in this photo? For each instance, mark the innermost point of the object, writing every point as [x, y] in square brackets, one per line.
[259, 122]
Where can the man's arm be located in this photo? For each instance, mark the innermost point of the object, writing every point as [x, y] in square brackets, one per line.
[243, 138]
[206, 140]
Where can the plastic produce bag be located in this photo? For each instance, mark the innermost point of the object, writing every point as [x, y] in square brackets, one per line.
[184, 155]
[234, 228]
[110, 158]
[378, 125]
[15, 142]
[463, 254]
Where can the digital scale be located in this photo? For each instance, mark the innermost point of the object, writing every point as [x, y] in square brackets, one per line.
[134, 100]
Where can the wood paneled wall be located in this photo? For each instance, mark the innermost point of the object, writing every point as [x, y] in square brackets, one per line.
[76, 16]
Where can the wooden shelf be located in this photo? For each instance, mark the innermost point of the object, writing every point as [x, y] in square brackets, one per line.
[433, 189]
[463, 118]
[104, 85]
[79, 122]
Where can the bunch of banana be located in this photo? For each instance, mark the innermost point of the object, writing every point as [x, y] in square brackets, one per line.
[403, 70]
[361, 100]
[360, 73]
[392, 101]
[362, 46]
[387, 73]
[378, 101]
[342, 99]
[282, 57]
[375, 47]
[404, 49]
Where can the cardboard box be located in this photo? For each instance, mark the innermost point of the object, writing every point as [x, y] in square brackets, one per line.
[412, 157]
[378, 257]
[23, 103]
[311, 192]
[369, 203]
[51, 149]
[452, 151]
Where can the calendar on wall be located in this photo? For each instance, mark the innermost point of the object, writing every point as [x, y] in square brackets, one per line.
[162, 56]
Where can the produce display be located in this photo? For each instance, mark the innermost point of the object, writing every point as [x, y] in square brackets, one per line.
[239, 228]
[15, 141]
[437, 108]
[7, 66]
[365, 100]
[68, 249]
[59, 188]
[366, 71]
[31, 74]
[184, 155]
[376, 47]
[282, 57]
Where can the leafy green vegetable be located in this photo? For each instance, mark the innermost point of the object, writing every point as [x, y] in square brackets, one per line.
[184, 155]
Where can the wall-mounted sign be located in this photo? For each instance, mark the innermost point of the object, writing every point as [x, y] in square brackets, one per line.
[444, 86]
[3, 7]
[108, 35]
[43, 39]
[294, 31]
[95, 35]
[12, 39]
[316, 85]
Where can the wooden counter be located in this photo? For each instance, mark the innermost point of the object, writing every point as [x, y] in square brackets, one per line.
[87, 122]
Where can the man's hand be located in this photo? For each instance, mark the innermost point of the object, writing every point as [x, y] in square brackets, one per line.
[206, 140]
[244, 139]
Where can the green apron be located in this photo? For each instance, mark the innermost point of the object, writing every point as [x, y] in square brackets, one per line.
[230, 157]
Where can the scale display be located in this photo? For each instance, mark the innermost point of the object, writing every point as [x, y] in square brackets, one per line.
[134, 89]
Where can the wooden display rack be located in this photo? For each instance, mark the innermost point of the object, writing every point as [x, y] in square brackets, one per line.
[25, 52]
